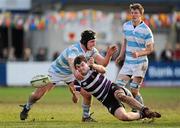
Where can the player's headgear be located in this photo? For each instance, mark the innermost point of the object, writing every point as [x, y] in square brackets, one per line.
[86, 36]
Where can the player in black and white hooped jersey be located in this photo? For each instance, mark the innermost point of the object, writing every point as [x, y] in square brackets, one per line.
[110, 94]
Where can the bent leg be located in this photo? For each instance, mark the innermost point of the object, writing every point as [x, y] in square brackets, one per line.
[38, 93]
[133, 103]
[35, 96]
[121, 114]
[121, 96]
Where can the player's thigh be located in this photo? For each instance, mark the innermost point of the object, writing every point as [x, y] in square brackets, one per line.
[125, 72]
[139, 70]
[57, 78]
[85, 94]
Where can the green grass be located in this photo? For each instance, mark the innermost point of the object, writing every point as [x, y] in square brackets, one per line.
[56, 110]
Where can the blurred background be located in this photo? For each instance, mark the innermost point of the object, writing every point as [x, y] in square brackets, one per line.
[34, 32]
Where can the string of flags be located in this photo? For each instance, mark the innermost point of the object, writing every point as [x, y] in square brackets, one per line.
[58, 20]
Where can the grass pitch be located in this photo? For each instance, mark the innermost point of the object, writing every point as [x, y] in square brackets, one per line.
[56, 110]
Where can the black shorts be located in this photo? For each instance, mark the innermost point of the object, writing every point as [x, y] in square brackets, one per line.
[111, 103]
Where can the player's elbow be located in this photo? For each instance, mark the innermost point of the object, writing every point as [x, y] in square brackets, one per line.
[150, 50]
[105, 64]
[102, 70]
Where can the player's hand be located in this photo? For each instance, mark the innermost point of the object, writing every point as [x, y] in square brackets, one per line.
[135, 54]
[119, 59]
[78, 75]
[112, 49]
[91, 61]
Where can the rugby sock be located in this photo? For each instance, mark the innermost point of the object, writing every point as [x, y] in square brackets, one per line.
[139, 98]
[86, 109]
[28, 105]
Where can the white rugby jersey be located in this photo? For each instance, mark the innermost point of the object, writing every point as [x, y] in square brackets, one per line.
[136, 40]
[96, 84]
[61, 65]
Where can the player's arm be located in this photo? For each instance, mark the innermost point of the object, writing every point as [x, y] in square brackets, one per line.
[105, 60]
[78, 76]
[148, 50]
[97, 67]
[122, 51]
[75, 90]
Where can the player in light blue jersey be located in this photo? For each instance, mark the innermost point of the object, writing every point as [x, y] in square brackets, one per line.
[138, 42]
[62, 69]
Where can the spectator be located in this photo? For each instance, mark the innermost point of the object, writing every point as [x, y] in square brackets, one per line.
[11, 54]
[152, 57]
[5, 54]
[41, 55]
[177, 52]
[27, 55]
[167, 53]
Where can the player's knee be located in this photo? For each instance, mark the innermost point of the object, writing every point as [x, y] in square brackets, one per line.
[134, 92]
[119, 94]
[134, 88]
[86, 96]
[121, 83]
[35, 96]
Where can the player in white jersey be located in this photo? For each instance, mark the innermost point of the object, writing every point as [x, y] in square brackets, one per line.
[109, 94]
[138, 42]
[62, 69]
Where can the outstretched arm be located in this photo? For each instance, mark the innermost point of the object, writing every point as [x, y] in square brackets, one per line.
[75, 92]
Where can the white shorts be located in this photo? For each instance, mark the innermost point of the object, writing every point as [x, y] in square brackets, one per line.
[57, 78]
[138, 70]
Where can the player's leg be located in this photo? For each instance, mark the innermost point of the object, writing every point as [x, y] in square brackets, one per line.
[121, 114]
[139, 71]
[86, 117]
[33, 98]
[87, 98]
[135, 89]
[122, 80]
[122, 94]
[115, 106]
[38, 94]
[123, 76]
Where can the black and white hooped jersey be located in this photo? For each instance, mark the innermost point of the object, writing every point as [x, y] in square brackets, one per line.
[96, 84]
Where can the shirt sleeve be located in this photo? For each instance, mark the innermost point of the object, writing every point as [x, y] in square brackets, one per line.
[95, 52]
[149, 37]
[72, 53]
[77, 86]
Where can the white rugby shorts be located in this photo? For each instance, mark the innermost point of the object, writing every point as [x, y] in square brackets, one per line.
[57, 78]
[138, 70]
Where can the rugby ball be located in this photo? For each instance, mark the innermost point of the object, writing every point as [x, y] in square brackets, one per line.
[40, 81]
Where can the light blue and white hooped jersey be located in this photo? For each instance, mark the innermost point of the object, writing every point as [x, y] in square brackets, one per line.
[136, 40]
[61, 65]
